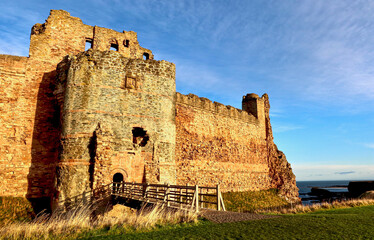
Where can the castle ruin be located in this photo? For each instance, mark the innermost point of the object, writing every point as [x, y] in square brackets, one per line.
[73, 120]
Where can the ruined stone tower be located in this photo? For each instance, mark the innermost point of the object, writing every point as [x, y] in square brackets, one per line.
[73, 120]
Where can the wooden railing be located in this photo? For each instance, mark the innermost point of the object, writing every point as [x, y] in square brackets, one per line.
[176, 196]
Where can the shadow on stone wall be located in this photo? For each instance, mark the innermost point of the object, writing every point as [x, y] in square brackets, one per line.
[44, 148]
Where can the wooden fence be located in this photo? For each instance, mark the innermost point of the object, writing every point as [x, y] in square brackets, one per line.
[175, 196]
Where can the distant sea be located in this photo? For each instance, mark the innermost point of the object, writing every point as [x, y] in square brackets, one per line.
[306, 186]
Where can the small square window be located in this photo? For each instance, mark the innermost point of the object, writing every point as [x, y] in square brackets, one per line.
[88, 44]
[114, 47]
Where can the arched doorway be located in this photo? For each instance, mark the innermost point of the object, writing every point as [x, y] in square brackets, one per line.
[118, 177]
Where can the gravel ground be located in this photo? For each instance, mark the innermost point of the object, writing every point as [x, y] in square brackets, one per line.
[226, 216]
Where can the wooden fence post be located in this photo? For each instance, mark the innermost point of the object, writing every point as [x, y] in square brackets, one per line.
[197, 197]
[157, 194]
[218, 199]
[222, 202]
[132, 189]
[167, 196]
[146, 191]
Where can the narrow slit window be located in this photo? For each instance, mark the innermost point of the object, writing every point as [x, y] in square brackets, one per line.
[145, 56]
[88, 44]
[114, 47]
[126, 43]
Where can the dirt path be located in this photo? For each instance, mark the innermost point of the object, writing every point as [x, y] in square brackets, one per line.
[223, 217]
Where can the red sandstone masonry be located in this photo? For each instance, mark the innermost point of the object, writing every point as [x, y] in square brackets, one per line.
[29, 134]
[214, 107]
[15, 137]
[218, 144]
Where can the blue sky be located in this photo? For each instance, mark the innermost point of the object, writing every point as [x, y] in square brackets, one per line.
[315, 59]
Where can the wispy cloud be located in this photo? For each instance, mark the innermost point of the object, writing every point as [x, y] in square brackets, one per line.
[332, 172]
[314, 51]
[369, 145]
[15, 27]
[285, 128]
[345, 173]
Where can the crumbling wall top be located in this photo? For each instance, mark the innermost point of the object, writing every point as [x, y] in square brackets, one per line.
[63, 35]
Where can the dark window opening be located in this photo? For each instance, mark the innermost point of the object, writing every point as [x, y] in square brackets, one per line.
[139, 136]
[88, 44]
[118, 177]
[126, 43]
[114, 47]
[92, 146]
[145, 56]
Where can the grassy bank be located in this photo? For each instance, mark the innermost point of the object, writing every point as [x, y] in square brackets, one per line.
[251, 201]
[15, 209]
[325, 221]
[349, 223]
[299, 208]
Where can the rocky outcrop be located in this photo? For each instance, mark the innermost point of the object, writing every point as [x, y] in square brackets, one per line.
[282, 175]
[356, 188]
[280, 170]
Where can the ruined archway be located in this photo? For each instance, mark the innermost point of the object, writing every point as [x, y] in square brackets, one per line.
[118, 177]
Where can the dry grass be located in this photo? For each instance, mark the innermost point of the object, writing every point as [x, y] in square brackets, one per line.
[299, 208]
[15, 209]
[68, 225]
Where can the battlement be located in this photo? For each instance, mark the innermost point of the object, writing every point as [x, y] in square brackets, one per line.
[216, 107]
[63, 35]
[8, 62]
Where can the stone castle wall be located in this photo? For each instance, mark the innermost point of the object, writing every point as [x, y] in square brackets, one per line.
[104, 99]
[220, 144]
[15, 133]
[29, 134]
[71, 119]
[63, 34]
[30, 120]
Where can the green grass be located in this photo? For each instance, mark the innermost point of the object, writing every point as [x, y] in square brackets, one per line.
[253, 200]
[349, 223]
[14, 209]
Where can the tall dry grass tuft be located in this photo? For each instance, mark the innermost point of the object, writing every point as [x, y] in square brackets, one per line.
[68, 225]
[147, 217]
[299, 208]
[15, 209]
[44, 225]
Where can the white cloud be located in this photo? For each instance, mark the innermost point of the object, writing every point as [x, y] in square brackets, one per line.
[333, 172]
